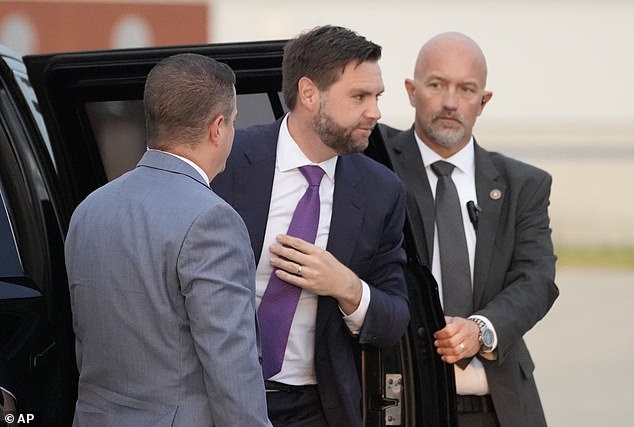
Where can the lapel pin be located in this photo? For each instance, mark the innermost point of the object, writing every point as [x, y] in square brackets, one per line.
[495, 194]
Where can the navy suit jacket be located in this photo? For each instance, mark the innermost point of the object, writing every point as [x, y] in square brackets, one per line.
[514, 272]
[366, 234]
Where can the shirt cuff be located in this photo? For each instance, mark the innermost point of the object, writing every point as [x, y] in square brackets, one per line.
[354, 321]
[490, 325]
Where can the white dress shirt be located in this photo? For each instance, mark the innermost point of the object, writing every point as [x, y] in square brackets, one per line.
[471, 380]
[288, 187]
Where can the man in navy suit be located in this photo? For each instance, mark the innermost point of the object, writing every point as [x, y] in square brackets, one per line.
[504, 207]
[353, 289]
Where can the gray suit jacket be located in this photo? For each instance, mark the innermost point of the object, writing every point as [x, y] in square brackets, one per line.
[514, 263]
[162, 279]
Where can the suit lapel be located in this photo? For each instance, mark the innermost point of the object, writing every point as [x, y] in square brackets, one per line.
[253, 180]
[491, 192]
[347, 211]
[409, 166]
[345, 226]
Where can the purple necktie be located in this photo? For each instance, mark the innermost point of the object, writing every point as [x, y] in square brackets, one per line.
[279, 301]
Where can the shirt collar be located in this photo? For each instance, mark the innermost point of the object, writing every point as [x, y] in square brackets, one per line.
[290, 156]
[463, 159]
[189, 162]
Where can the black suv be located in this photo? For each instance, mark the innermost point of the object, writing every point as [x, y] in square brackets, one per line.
[71, 122]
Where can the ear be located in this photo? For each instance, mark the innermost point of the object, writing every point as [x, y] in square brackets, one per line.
[486, 97]
[410, 87]
[216, 128]
[307, 93]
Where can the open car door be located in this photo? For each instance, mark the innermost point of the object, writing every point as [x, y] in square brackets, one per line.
[92, 106]
[36, 343]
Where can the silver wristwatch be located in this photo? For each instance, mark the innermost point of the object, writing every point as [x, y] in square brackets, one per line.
[486, 337]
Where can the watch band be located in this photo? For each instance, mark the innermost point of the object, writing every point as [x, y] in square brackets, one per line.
[482, 326]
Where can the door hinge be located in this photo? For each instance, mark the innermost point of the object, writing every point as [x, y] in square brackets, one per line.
[393, 398]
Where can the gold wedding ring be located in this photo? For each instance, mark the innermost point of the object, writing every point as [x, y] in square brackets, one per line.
[299, 270]
[461, 347]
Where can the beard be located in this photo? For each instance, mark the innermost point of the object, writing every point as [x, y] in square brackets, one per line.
[335, 136]
[447, 137]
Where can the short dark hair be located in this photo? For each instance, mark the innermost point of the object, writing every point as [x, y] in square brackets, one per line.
[183, 94]
[321, 54]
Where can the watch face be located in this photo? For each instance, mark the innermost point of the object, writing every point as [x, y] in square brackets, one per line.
[487, 337]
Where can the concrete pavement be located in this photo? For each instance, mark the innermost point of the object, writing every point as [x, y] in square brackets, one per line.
[584, 350]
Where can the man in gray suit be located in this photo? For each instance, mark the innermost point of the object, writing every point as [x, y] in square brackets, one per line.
[508, 251]
[161, 271]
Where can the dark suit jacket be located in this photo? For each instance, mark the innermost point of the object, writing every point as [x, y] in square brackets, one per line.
[514, 262]
[365, 234]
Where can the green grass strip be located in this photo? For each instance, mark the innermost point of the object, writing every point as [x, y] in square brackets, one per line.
[610, 257]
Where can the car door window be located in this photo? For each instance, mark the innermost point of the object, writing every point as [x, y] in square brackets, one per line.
[11, 266]
[119, 128]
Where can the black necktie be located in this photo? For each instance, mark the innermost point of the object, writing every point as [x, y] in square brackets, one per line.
[454, 258]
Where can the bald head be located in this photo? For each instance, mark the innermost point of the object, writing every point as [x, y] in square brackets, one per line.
[448, 91]
[452, 46]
